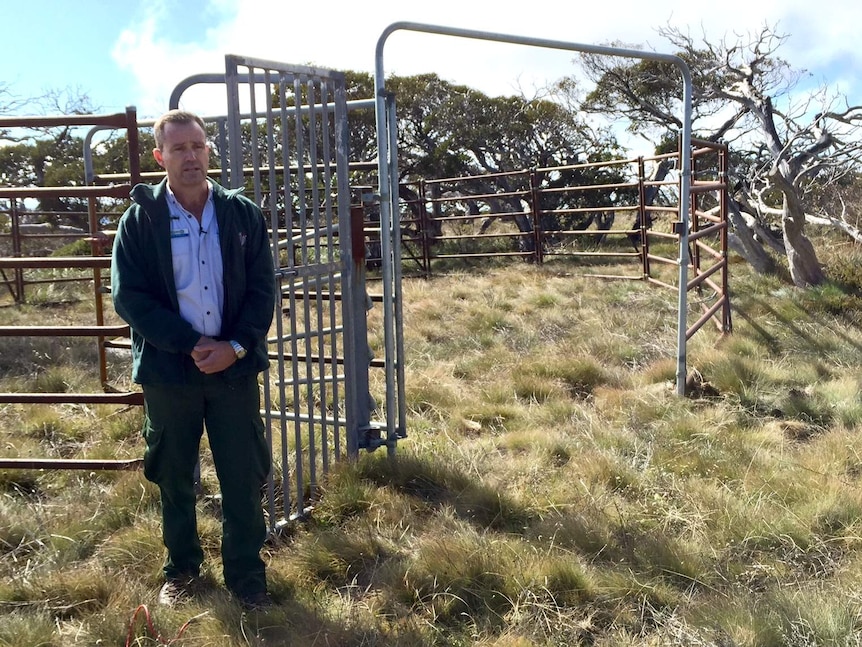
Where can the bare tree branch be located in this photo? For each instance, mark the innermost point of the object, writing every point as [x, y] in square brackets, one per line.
[792, 152]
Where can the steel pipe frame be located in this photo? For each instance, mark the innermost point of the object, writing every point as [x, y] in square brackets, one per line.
[388, 165]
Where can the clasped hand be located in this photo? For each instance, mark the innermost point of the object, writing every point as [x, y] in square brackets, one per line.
[213, 356]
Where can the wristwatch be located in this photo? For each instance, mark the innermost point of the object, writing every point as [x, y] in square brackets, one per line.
[238, 349]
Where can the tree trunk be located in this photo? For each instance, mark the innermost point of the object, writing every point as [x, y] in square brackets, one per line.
[751, 250]
[805, 269]
[802, 260]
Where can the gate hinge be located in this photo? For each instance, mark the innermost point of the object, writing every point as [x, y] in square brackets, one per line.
[371, 436]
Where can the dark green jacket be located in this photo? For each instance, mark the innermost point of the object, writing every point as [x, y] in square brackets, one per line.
[145, 296]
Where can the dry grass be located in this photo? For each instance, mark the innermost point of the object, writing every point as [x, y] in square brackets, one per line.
[553, 489]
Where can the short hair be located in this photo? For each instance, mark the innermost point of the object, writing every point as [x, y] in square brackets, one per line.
[174, 117]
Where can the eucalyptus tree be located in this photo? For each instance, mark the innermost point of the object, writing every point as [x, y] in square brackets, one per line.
[791, 145]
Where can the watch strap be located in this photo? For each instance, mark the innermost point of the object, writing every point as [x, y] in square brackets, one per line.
[238, 349]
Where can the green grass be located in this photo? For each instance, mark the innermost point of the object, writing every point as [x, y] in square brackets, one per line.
[553, 488]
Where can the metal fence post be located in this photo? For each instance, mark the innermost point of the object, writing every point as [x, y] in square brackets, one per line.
[538, 238]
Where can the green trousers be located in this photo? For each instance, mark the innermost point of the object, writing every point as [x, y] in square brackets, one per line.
[175, 420]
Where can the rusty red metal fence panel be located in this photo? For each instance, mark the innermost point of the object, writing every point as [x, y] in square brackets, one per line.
[18, 264]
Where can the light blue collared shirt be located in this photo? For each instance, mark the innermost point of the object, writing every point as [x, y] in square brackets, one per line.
[198, 269]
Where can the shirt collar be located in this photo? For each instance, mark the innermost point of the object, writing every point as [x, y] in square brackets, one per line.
[174, 203]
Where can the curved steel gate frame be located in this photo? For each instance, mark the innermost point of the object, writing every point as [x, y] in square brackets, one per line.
[388, 173]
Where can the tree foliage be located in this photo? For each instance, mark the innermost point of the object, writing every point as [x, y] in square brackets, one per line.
[447, 130]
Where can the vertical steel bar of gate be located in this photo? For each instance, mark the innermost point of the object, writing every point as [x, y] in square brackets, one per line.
[255, 143]
[234, 131]
[351, 283]
[235, 163]
[330, 220]
[388, 209]
[357, 410]
[303, 258]
[326, 327]
[273, 223]
[258, 200]
[313, 327]
[292, 305]
[222, 148]
[291, 259]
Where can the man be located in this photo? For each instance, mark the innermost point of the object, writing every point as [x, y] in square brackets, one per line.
[192, 275]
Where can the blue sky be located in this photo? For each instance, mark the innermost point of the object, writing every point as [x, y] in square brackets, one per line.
[58, 44]
[131, 52]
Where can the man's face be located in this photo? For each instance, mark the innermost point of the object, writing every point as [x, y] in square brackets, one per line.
[184, 154]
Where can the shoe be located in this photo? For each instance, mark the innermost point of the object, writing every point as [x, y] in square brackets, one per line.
[175, 591]
[259, 601]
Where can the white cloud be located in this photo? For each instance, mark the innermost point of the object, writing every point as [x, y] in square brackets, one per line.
[343, 34]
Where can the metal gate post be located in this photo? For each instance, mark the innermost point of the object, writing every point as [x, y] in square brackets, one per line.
[400, 429]
[538, 230]
[390, 244]
[15, 216]
[357, 358]
[642, 220]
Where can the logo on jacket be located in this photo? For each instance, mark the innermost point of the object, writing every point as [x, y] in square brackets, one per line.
[242, 238]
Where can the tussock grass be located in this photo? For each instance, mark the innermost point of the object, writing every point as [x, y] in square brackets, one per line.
[553, 488]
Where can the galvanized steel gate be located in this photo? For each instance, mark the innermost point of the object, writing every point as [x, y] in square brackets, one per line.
[287, 131]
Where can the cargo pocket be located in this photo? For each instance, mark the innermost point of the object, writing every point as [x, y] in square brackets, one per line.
[263, 462]
[153, 437]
